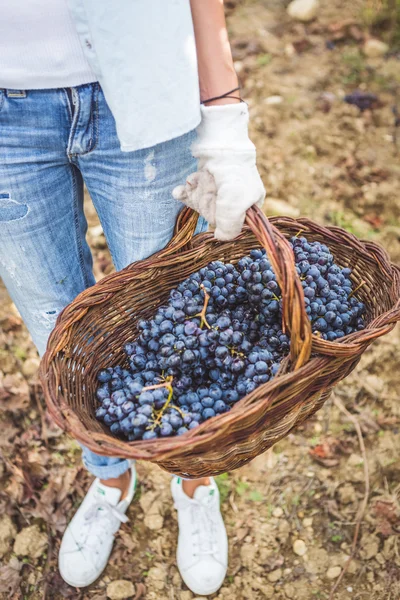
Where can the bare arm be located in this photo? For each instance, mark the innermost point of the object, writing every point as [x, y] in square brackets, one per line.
[216, 71]
[227, 182]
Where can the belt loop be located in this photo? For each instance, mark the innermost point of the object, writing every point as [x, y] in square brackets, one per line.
[16, 93]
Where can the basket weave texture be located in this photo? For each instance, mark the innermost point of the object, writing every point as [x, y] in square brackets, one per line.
[91, 331]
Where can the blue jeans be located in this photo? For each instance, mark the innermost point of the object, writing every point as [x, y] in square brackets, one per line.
[51, 142]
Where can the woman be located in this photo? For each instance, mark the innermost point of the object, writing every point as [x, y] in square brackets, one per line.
[110, 95]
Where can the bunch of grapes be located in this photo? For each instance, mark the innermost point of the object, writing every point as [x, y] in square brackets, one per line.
[218, 338]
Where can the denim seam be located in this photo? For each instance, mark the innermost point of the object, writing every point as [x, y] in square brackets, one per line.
[69, 108]
[78, 231]
[2, 96]
[74, 124]
[93, 121]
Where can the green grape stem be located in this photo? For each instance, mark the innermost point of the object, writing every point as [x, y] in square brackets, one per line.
[202, 314]
[159, 414]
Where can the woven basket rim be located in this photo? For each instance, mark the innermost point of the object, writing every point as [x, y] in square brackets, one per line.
[350, 346]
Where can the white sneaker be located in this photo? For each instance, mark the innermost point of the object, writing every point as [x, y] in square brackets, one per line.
[202, 554]
[89, 538]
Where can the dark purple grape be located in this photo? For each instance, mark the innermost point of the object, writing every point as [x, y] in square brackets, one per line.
[220, 406]
[207, 402]
[175, 421]
[100, 412]
[166, 429]
[149, 435]
[208, 413]
[102, 393]
[104, 375]
[127, 407]
[182, 430]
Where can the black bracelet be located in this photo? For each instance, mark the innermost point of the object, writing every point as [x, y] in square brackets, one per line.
[226, 95]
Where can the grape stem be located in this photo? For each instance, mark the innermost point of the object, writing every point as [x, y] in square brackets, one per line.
[167, 384]
[178, 409]
[235, 352]
[202, 314]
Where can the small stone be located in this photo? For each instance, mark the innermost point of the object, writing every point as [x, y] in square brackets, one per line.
[120, 589]
[303, 10]
[355, 460]
[154, 522]
[32, 578]
[273, 100]
[290, 50]
[7, 534]
[283, 531]
[99, 242]
[153, 509]
[289, 590]
[333, 572]
[96, 230]
[157, 576]
[299, 547]
[347, 494]
[266, 589]
[30, 542]
[30, 366]
[369, 546]
[275, 575]
[307, 522]
[277, 512]
[185, 595]
[316, 561]
[374, 48]
[247, 554]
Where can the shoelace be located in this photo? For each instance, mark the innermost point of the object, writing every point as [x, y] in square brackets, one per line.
[203, 517]
[98, 507]
[105, 512]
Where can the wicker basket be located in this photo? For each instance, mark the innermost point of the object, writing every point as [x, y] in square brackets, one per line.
[91, 331]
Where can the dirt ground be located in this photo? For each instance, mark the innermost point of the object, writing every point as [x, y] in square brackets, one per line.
[291, 513]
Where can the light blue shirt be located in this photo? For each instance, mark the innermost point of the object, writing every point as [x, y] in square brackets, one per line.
[144, 55]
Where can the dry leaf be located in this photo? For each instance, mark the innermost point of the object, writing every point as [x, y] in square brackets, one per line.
[10, 576]
[14, 393]
[387, 513]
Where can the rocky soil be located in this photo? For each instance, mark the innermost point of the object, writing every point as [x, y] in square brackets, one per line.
[291, 513]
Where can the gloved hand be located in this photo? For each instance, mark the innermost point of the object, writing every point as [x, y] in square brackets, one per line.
[227, 182]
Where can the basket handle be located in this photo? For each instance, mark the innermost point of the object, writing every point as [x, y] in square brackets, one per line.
[294, 317]
[185, 227]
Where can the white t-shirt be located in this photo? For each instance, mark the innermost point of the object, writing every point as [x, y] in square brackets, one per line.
[40, 47]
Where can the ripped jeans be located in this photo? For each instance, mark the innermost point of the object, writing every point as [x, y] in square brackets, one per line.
[51, 142]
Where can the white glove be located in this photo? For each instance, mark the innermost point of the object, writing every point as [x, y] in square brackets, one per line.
[225, 152]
